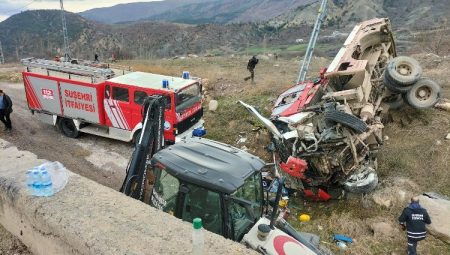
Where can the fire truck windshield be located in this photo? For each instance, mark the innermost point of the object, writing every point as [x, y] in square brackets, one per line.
[187, 97]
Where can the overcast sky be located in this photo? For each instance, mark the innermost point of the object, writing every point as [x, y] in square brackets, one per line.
[11, 7]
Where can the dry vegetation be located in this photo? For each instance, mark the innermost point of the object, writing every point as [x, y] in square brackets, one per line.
[415, 159]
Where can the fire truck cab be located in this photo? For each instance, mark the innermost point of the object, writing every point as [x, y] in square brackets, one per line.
[86, 99]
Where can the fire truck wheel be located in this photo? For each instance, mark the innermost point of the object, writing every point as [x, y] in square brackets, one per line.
[68, 128]
[424, 94]
[404, 71]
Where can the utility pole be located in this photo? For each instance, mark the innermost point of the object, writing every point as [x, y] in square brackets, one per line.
[312, 42]
[66, 37]
[2, 58]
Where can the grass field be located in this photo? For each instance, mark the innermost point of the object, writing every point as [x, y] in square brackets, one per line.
[415, 159]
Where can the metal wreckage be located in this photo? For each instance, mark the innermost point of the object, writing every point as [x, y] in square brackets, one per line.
[326, 132]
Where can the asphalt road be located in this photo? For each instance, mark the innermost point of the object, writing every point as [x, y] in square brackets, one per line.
[99, 159]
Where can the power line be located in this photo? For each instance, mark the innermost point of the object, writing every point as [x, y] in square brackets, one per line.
[20, 8]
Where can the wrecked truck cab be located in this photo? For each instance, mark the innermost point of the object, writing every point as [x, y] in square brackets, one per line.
[334, 123]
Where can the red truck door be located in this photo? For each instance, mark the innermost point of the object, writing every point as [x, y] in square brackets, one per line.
[117, 106]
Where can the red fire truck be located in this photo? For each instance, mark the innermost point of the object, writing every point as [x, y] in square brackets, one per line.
[108, 102]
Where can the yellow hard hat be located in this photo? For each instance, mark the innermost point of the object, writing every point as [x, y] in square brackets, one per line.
[304, 218]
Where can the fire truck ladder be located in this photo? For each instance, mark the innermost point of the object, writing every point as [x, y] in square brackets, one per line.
[2, 58]
[65, 67]
[312, 42]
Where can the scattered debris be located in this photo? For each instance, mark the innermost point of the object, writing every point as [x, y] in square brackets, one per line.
[242, 139]
[304, 218]
[341, 245]
[342, 238]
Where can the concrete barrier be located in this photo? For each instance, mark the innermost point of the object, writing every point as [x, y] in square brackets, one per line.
[88, 218]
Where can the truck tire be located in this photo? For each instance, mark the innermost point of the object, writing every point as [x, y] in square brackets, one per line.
[68, 128]
[364, 180]
[404, 71]
[136, 136]
[395, 102]
[346, 119]
[393, 86]
[424, 94]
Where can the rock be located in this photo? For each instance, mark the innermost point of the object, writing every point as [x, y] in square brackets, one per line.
[438, 142]
[381, 229]
[443, 106]
[386, 137]
[401, 195]
[447, 137]
[439, 211]
[213, 104]
[205, 82]
[381, 200]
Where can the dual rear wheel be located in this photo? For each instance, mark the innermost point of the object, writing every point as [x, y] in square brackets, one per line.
[403, 75]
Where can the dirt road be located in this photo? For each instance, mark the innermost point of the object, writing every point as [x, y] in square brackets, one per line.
[99, 159]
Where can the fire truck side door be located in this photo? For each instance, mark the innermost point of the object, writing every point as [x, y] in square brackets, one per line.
[117, 107]
[139, 98]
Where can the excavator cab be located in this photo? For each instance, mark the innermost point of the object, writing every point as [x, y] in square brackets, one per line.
[201, 178]
[212, 181]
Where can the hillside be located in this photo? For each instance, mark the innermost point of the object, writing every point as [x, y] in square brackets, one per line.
[39, 34]
[195, 11]
[230, 11]
[409, 14]
[135, 11]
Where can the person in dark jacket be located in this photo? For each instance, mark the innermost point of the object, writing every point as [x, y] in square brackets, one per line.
[414, 218]
[251, 68]
[5, 110]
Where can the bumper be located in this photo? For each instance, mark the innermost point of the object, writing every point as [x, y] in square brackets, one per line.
[188, 133]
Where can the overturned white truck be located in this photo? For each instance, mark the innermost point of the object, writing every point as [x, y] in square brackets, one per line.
[327, 132]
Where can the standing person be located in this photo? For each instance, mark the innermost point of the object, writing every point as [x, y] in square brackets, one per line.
[5, 110]
[96, 57]
[414, 218]
[251, 68]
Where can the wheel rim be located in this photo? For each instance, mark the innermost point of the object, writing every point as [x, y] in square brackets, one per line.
[423, 93]
[404, 69]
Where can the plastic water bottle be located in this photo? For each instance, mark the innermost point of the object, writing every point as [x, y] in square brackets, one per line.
[198, 239]
[46, 183]
[36, 182]
[30, 181]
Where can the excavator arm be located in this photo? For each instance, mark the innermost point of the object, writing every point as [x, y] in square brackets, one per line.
[150, 141]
